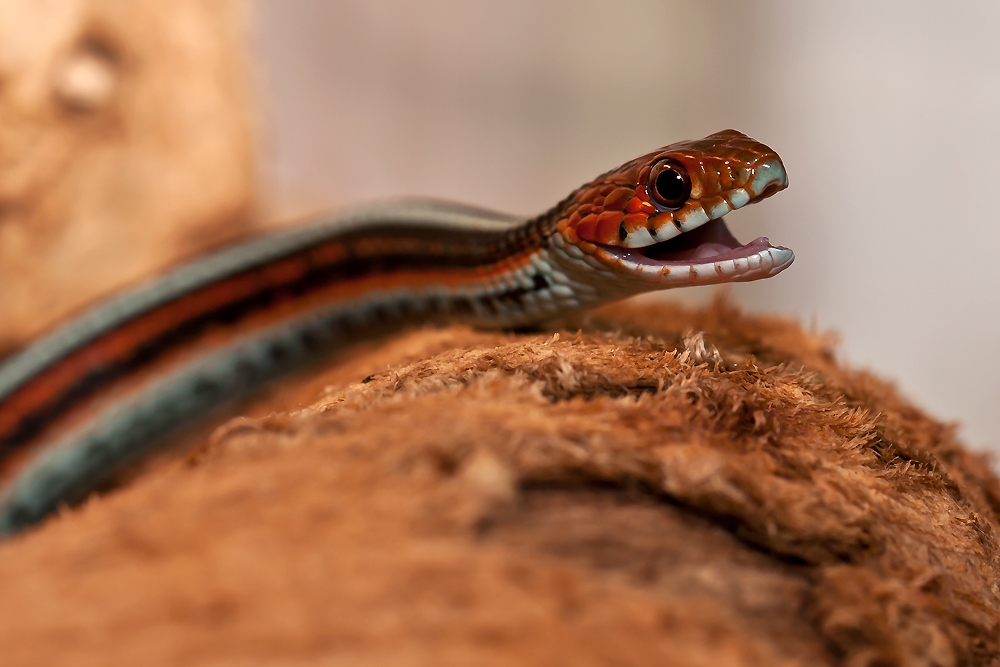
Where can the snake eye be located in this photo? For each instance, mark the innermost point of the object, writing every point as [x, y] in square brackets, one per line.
[670, 185]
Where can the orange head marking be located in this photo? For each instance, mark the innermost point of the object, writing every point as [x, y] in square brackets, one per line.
[675, 189]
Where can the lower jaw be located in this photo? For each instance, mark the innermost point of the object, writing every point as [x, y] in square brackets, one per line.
[704, 256]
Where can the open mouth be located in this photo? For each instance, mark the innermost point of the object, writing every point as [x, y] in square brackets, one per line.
[708, 243]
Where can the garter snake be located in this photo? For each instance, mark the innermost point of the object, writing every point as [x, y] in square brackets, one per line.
[117, 381]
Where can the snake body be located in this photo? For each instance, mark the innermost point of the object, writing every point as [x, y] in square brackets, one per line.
[118, 381]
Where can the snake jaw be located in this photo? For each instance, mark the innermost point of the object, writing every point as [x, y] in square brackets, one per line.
[723, 182]
[710, 242]
[617, 222]
[724, 171]
[705, 256]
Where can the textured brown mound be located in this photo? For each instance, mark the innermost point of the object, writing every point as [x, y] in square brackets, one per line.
[630, 494]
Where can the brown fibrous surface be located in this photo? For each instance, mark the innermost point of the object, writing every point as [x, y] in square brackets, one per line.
[648, 485]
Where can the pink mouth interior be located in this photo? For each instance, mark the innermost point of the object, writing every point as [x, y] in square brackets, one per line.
[711, 242]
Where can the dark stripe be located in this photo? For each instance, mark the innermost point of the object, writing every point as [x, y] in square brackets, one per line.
[455, 249]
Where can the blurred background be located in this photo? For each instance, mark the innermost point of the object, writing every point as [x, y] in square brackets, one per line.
[886, 114]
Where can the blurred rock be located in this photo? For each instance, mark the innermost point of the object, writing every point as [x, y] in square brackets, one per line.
[126, 143]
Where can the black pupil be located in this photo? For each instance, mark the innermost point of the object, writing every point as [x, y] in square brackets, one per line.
[670, 186]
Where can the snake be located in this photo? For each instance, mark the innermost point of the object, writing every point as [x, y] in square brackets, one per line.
[111, 385]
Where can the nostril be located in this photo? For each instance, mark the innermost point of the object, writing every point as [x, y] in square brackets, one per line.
[768, 191]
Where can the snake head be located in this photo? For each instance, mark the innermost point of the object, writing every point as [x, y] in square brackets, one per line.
[638, 211]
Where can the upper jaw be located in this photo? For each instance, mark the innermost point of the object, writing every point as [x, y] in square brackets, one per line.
[761, 180]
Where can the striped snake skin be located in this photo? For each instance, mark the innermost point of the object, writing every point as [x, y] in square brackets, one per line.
[118, 381]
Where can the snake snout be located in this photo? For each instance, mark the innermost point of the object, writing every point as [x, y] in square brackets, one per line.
[769, 178]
